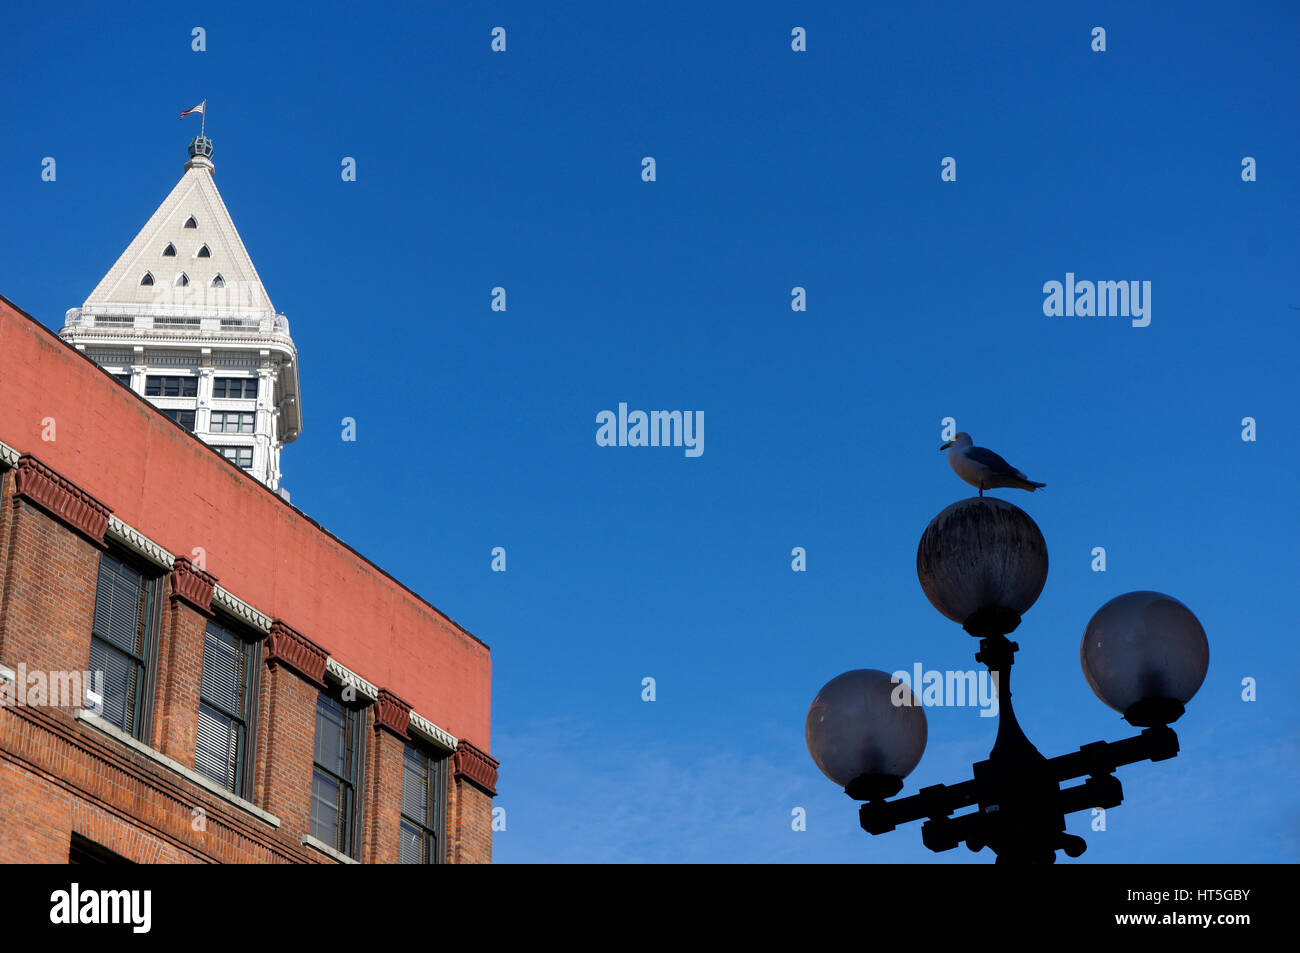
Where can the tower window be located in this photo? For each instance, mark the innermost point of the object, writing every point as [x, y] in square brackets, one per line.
[232, 422]
[147, 279]
[239, 387]
[239, 456]
[183, 280]
[191, 223]
[183, 417]
[160, 386]
[218, 282]
[204, 252]
[169, 251]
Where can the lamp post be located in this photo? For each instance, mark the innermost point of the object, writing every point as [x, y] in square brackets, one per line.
[982, 562]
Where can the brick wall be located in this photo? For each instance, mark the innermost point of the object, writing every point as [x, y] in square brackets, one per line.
[61, 775]
[47, 597]
[470, 810]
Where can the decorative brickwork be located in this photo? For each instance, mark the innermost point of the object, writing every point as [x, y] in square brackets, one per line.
[392, 713]
[477, 765]
[72, 505]
[285, 646]
[192, 585]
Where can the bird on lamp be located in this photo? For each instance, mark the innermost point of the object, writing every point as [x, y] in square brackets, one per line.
[984, 469]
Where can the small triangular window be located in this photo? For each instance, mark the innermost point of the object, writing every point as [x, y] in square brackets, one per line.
[147, 279]
[169, 251]
[191, 222]
[204, 252]
[183, 280]
[218, 282]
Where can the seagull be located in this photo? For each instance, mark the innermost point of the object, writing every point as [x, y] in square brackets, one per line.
[983, 468]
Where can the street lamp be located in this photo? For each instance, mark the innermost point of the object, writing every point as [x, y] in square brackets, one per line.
[982, 562]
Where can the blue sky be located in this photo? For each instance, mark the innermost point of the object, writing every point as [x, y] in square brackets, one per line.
[775, 169]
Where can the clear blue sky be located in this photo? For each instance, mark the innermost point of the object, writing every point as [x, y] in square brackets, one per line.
[775, 169]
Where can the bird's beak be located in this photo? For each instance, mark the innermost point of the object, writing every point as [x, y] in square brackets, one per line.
[947, 445]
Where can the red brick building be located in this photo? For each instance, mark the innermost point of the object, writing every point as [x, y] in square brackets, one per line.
[192, 670]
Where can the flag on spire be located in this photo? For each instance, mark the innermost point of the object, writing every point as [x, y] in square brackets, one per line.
[197, 109]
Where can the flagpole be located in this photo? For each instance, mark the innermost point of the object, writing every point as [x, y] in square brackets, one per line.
[203, 118]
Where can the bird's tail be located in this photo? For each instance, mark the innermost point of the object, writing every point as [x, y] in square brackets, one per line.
[1030, 485]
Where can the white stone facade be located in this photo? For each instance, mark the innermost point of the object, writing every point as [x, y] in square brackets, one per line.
[182, 319]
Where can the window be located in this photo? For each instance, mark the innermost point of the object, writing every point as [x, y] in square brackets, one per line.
[204, 252]
[226, 699]
[147, 279]
[121, 643]
[156, 386]
[84, 851]
[191, 223]
[169, 251]
[334, 778]
[123, 379]
[218, 282]
[422, 808]
[183, 280]
[183, 417]
[232, 422]
[234, 387]
[239, 456]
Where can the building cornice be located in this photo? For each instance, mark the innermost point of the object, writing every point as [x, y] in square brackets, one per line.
[348, 678]
[426, 729]
[240, 610]
[69, 503]
[8, 456]
[139, 543]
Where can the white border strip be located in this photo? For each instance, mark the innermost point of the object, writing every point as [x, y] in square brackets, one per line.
[427, 729]
[8, 455]
[99, 724]
[345, 676]
[138, 542]
[240, 609]
[321, 847]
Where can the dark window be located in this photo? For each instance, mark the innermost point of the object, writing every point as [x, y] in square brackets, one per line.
[422, 808]
[120, 642]
[226, 699]
[123, 379]
[243, 387]
[239, 456]
[232, 422]
[183, 280]
[191, 223]
[334, 777]
[183, 417]
[171, 386]
[205, 252]
[169, 251]
[218, 282]
[147, 279]
[83, 851]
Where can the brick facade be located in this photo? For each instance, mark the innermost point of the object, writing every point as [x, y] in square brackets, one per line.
[63, 773]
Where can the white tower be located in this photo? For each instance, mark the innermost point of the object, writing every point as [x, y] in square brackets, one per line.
[182, 319]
